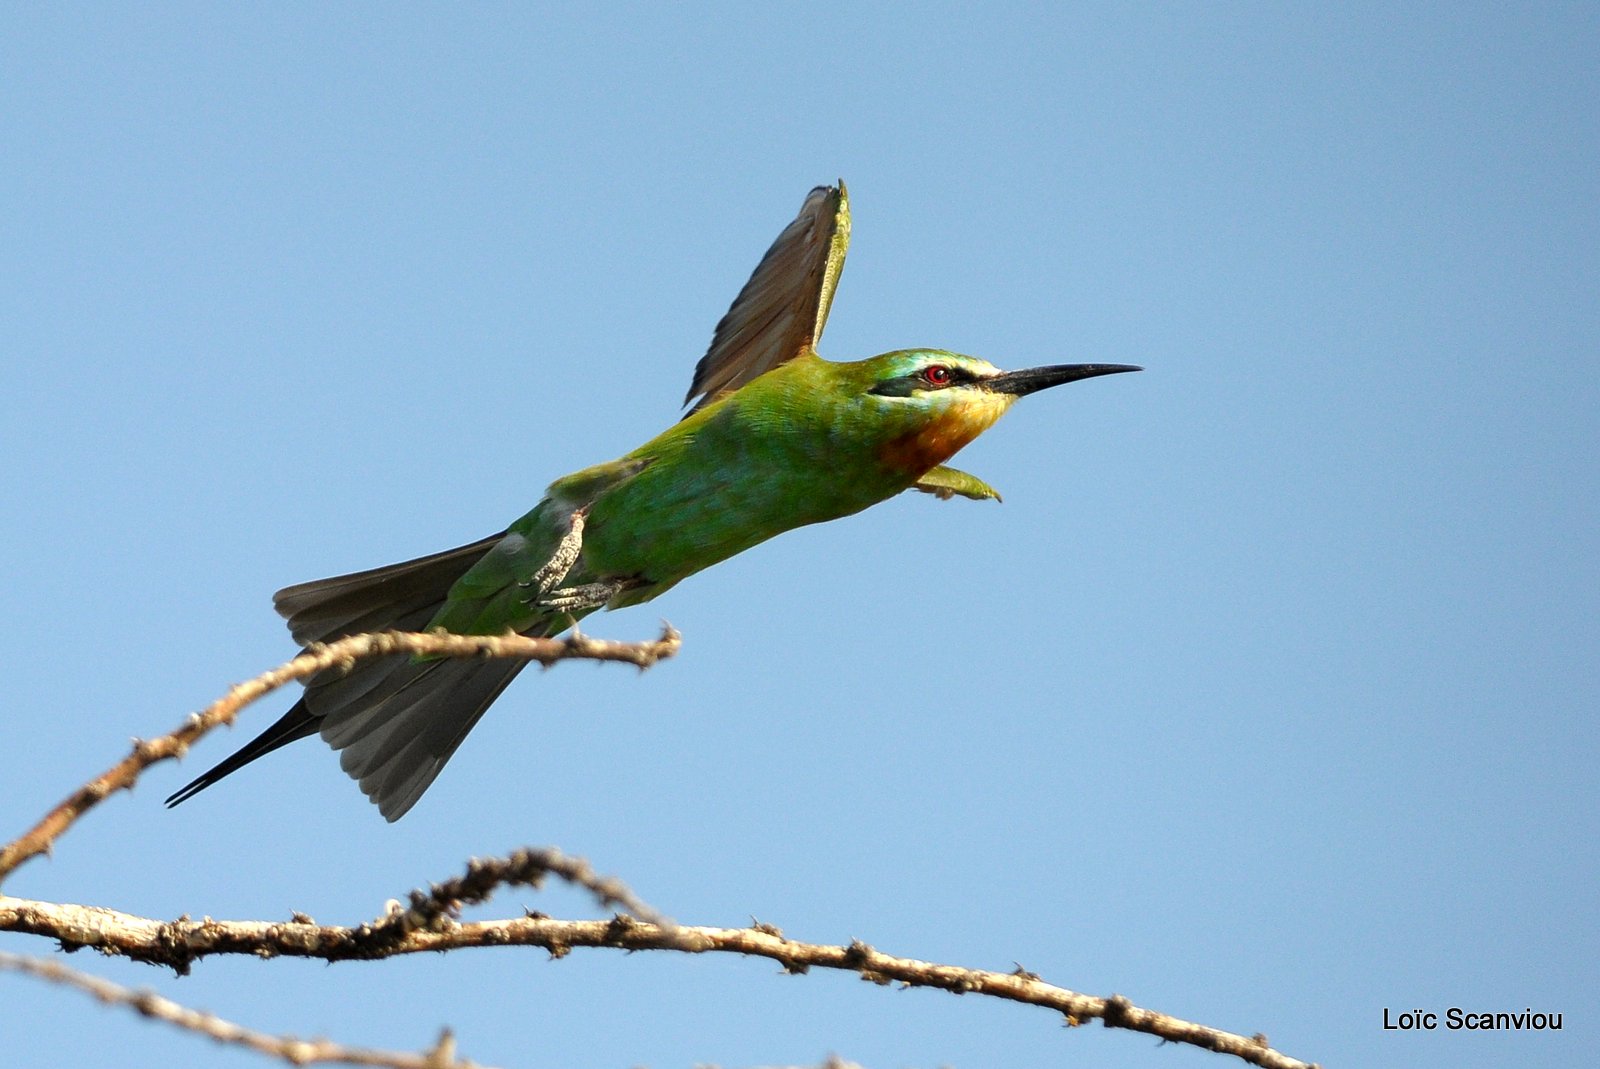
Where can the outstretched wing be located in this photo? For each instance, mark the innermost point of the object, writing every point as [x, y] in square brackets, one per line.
[782, 309]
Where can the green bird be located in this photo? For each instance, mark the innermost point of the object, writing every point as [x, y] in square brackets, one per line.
[776, 438]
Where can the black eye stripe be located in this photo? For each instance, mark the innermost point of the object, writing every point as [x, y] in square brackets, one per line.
[907, 384]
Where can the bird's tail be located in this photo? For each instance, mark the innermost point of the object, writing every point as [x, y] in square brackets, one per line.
[399, 597]
[397, 720]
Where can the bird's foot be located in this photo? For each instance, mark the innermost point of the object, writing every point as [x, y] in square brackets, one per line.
[585, 597]
[543, 581]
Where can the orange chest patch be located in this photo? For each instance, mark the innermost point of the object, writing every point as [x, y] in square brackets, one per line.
[940, 439]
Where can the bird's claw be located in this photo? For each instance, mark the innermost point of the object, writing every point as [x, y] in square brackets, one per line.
[581, 598]
[554, 570]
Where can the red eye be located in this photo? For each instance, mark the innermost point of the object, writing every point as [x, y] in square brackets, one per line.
[936, 375]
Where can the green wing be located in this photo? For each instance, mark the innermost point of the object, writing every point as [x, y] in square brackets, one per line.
[781, 311]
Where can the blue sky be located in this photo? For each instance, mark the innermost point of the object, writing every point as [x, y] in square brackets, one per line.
[1265, 699]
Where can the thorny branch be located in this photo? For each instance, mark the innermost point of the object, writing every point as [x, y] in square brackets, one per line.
[440, 904]
[315, 658]
[291, 1049]
[429, 922]
[177, 944]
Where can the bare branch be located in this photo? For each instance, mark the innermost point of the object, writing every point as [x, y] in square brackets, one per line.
[291, 1049]
[314, 659]
[177, 944]
[529, 866]
[832, 1061]
[430, 922]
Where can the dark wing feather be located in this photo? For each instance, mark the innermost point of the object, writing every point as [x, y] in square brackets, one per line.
[782, 309]
[396, 746]
[296, 724]
[376, 599]
[397, 720]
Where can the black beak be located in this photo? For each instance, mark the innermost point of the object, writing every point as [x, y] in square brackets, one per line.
[1034, 379]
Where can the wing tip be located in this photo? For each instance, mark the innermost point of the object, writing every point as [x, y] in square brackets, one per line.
[809, 252]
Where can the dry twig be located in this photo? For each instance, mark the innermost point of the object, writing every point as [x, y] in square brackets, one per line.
[177, 944]
[291, 1049]
[314, 659]
[442, 902]
[429, 923]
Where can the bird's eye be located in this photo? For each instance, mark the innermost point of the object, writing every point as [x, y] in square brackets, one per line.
[937, 375]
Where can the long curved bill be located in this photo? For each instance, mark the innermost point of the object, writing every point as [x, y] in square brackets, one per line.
[1034, 379]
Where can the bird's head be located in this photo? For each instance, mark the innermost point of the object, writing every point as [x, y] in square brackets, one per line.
[932, 403]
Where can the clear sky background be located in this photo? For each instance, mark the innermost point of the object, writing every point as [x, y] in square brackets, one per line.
[1267, 698]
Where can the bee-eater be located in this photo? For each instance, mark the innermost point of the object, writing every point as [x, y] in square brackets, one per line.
[777, 438]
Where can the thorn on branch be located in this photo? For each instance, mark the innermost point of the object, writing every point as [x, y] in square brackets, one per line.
[1115, 1014]
[856, 954]
[444, 1051]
